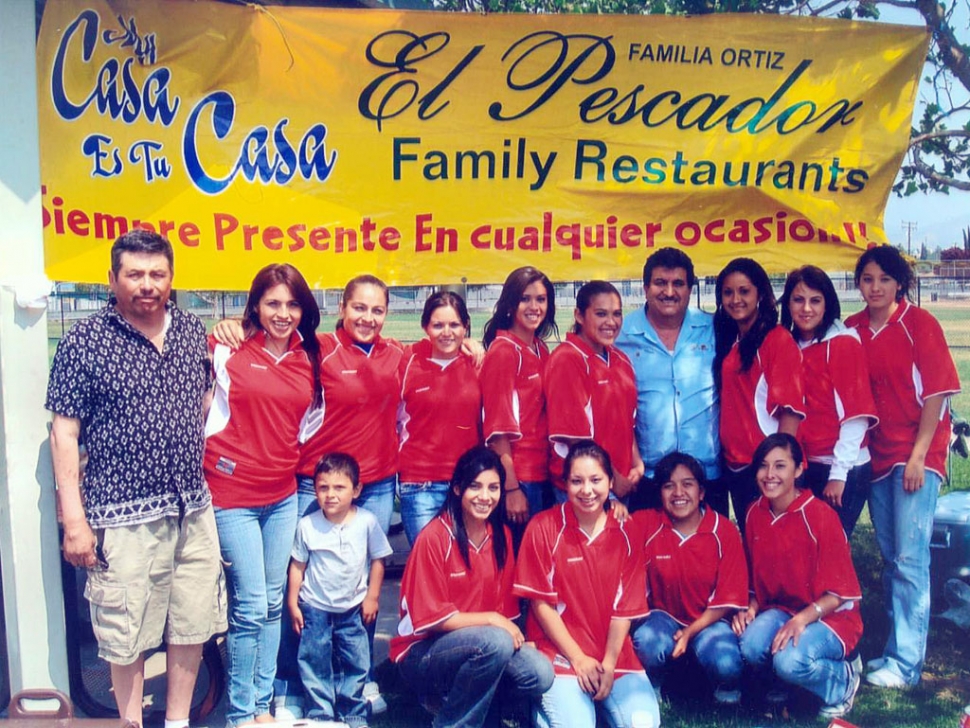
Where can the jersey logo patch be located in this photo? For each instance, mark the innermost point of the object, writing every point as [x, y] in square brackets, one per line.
[225, 465]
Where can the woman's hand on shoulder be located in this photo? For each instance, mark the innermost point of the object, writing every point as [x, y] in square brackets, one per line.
[474, 349]
[619, 510]
[230, 333]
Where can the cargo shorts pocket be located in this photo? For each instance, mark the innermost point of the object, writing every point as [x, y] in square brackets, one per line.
[109, 614]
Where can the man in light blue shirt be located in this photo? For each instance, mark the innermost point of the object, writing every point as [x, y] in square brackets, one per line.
[672, 350]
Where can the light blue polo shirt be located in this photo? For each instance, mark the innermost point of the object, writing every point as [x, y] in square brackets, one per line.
[677, 405]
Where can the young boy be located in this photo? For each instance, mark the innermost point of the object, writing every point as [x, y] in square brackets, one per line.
[330, 596]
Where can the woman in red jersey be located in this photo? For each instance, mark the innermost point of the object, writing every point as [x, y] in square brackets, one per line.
[912, 376]
[803, 620]
[440, 416]
[456, 644]
[591, 389]
[514, 406]
[263, 390]
[757, 369]
[838, 401]
[584, 578]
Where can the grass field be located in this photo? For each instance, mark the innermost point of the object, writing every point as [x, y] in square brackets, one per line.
[936, 703]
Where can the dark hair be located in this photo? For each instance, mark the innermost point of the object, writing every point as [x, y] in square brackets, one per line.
[778, 439]
[815, 278]
[144, 242]
[470, 465]
[670, 462]
[273, 275]
[892, 263]
[669, 258]
[586, 294]
[587, 449]
[341, 463]
[508, 303]
[442, 299]
[365, 279]
[726, 329]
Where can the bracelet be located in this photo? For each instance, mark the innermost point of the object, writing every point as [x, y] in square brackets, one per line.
[818, 610]
[512, 490]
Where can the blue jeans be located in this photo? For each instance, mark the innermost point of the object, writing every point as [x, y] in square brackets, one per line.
[255, 545]
[464, 668]
[287, 672]
[854, 496]
[630, 704]
[420, 502]
[378, 498]
[333, 665]
[817, 664]
[715, 648]
[904, 525]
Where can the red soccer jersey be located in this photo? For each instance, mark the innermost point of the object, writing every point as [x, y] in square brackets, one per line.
[252, 430]
[440, 415]
[514, 404]
[909, 361]
[438, 584]
[799, 557]
[588, 397]
[836, 380]
[685, 576]
[361, 393]
[588, 581]
[751, 400]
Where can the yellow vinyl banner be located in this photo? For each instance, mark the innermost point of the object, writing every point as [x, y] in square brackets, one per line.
[438, 148]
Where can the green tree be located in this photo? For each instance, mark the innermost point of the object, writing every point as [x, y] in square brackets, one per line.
[938, 158]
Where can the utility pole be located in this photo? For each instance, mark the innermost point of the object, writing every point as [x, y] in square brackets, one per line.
[910, 228]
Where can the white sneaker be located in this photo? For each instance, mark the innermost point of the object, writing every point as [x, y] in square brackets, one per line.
[288, 707]
[376, 702]
[876, 663]
[886, 678]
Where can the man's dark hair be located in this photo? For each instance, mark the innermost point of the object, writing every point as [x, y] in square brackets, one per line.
[669, 258]
[141, 241]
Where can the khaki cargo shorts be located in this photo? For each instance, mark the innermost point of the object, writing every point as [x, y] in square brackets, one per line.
[156, 579]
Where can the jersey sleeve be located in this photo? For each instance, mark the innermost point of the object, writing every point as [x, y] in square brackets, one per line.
[836, 572]
[782, 364]
[849, 370]
[566, 383]
[534, 566]
[499, 402]
[731, 589]
[424, 587]
[933, 360]
[631, 598]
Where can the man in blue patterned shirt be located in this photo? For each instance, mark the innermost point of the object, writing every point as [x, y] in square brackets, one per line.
[672, 350]
[129, 383]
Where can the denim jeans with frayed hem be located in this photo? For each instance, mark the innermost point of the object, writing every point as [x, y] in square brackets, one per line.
[904, 526]
[715, 647]
[817, 664]
[255, 545]
[464, 669]
[333, 665]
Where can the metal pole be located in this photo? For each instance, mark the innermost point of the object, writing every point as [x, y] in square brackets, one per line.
[29, 542]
